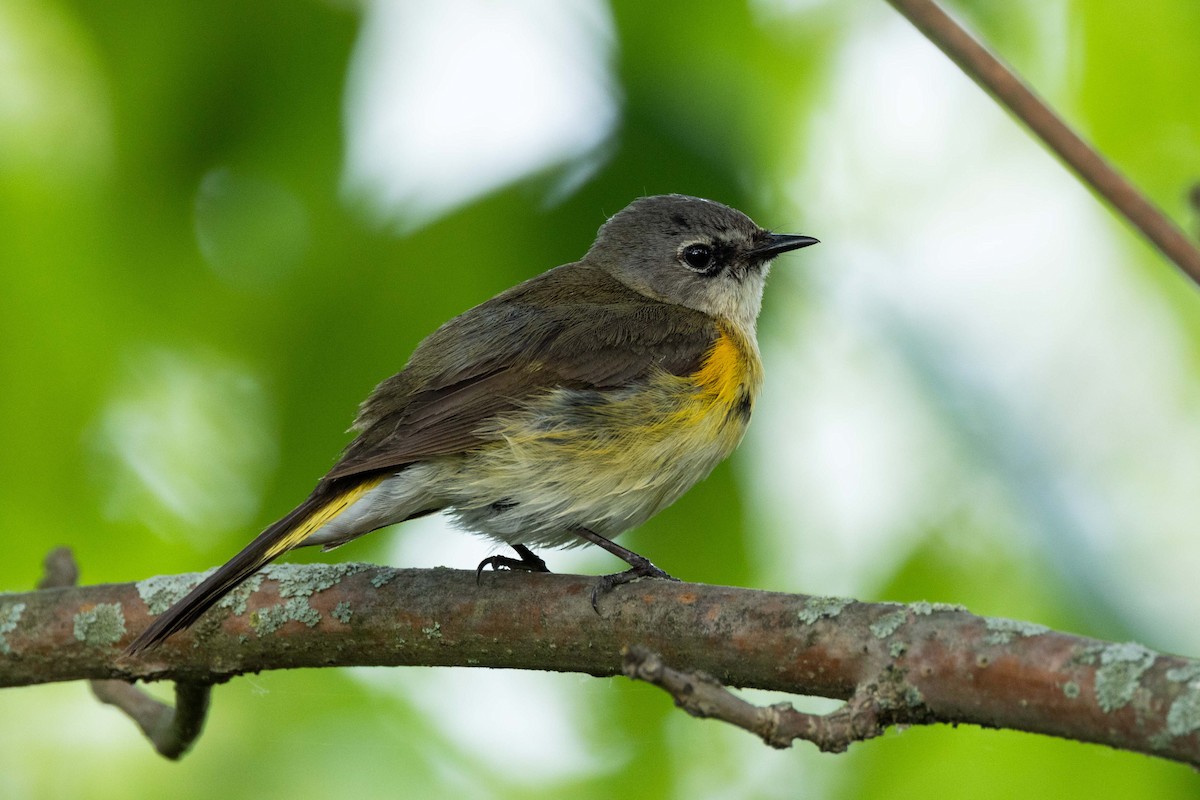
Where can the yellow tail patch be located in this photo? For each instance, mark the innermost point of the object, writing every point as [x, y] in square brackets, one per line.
[320, 517]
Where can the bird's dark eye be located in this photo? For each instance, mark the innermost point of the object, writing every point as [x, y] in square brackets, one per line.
[698, 257]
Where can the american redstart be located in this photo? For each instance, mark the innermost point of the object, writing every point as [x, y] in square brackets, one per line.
[565, 410]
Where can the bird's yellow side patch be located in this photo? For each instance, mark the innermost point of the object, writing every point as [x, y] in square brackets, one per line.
[728, 381]
[320, 517]
[723, 373]
[731, 373]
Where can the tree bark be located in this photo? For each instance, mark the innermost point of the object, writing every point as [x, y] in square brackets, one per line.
[914, 664]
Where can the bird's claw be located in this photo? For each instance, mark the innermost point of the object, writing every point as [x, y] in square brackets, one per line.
[642, 569]
[528, 562]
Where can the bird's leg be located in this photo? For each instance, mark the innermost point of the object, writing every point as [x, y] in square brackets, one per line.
[640, 566]
[528, 562]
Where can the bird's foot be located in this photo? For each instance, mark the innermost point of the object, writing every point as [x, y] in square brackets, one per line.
[528, 562]
[642, 568]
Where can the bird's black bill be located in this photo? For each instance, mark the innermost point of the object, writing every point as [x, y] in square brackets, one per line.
[781, 243]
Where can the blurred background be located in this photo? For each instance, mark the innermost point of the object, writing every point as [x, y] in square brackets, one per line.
[224, 222]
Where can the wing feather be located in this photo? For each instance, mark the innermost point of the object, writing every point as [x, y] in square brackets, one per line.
[573, 327]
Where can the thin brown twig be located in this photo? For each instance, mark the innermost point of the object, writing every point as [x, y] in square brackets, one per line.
[59, 569]
[1003, 84]
[864, 716]
[1194, 202]
[172, 730]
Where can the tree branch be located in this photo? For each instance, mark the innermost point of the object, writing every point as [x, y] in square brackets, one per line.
[1006, 88]
[922, 663]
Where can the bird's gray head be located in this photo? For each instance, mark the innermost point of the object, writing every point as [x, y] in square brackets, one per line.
[692, 252]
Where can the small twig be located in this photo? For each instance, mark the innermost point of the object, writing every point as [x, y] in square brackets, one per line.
[1000, 81]
[171, 730]
[60, 569]
[1194, 202]
[863, 716]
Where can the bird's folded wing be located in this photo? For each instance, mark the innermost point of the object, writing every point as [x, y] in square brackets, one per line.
[496, 356]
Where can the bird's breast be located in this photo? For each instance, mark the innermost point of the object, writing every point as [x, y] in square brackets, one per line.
[608, 460]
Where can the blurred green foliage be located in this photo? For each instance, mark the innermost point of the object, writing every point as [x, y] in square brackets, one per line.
[176, 236]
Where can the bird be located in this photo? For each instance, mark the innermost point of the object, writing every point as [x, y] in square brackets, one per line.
[563, 411]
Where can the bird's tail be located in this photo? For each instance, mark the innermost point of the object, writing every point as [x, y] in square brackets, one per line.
[322, 506]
